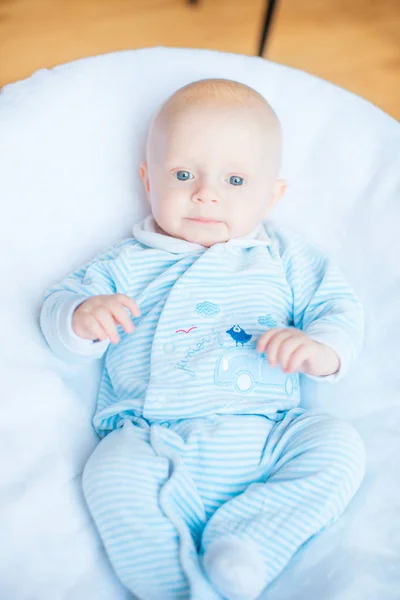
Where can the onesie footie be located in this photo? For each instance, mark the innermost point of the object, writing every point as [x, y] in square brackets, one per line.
[236, 569]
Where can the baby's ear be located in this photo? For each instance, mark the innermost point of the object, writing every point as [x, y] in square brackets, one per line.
[277, 192]
[144, 176]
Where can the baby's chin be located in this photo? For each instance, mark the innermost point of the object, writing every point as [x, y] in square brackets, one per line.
[205, 234]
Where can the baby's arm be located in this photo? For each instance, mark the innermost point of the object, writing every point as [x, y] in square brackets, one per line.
[327, 315]
[85, 306]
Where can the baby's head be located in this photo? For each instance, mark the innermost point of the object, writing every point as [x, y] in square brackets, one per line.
[213, 160]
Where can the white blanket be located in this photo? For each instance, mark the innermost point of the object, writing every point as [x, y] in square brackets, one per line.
[70, 144]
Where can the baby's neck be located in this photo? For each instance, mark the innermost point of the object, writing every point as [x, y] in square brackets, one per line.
[159, 230]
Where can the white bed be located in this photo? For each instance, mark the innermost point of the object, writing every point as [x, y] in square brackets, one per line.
[70, 143]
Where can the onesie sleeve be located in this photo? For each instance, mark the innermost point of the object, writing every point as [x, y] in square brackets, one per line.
[106, 274]
[325, 307]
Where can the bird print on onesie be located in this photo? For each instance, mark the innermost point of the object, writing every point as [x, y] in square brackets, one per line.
[239, 335]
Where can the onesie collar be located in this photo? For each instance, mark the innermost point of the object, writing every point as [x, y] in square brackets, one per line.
[146, 233]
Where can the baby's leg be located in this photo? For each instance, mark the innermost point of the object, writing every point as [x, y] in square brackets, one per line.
[122, 482]
[314, 465]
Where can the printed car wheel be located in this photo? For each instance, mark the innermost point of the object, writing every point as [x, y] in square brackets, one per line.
[244, 381]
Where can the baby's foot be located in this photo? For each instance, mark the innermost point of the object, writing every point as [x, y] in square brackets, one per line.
[236, 569]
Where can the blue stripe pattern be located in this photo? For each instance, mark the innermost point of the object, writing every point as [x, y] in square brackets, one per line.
[202, 439]
[161, 494]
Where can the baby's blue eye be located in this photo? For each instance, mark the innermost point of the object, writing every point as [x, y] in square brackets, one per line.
[183, 175]
[236, 180]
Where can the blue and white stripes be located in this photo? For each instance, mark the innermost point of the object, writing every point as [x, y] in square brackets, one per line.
[193, 353]
[204, 443]
[163, 494]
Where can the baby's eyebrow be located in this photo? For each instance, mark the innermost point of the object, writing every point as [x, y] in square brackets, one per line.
[232, 168]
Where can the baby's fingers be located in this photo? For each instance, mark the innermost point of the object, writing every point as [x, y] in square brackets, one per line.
[298, 357]
[121, 317]
[286, 350]
[266, 337]
[89, 328]
[105, 318]
[273, 343]
[128, 303]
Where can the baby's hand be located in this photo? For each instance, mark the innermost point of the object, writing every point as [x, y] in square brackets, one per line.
[293, 350]
[97, 317]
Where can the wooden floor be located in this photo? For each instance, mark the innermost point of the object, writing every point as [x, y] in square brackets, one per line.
[353, 43]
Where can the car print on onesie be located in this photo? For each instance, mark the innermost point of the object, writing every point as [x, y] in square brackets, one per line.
[244, 368]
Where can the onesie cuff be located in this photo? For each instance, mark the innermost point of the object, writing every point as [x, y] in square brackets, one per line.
[56, 324]
[337, 341]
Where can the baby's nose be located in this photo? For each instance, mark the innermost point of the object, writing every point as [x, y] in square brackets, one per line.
[204, 197]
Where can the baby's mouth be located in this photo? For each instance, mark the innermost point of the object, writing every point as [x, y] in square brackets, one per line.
[204, 221]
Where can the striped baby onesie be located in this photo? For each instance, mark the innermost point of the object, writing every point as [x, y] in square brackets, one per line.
[204, 443]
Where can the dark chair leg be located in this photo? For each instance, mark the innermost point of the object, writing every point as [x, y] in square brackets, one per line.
[269, 14]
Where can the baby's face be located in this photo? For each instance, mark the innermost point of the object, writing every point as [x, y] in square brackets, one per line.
[211, 174]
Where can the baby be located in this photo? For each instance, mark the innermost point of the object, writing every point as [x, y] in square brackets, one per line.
[209, 476]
